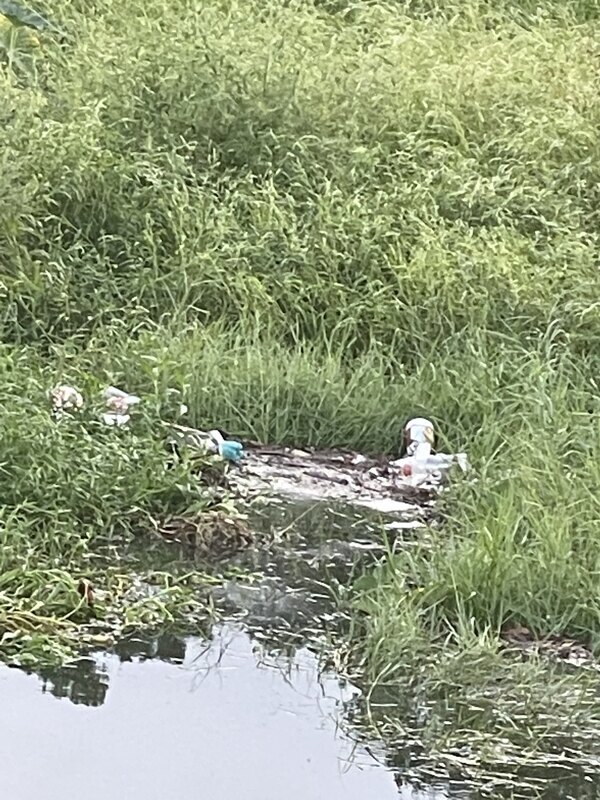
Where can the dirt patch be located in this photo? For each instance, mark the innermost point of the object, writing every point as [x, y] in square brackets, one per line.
[210, 534]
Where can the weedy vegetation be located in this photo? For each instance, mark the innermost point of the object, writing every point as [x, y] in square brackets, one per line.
[314, 219]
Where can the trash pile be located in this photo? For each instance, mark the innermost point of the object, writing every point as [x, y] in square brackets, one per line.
[420, 463]
[67, 400]
[205, 442]
[405, 485]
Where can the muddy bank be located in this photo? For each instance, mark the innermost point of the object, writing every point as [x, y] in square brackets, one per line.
[337, 476]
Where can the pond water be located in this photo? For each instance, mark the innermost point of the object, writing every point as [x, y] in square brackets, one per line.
[243, 709]
[181, 718]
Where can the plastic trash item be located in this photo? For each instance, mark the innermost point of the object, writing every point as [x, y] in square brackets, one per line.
[231, 451]
[420, 464]
[65, 399]
[419, 437]
[208, 442]
[192, 438]
[118, 403]
[226, 448]
[430, 469]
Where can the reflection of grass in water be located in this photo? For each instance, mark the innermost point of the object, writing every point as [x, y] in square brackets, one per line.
[456, 708]
[82, 682]
[499, 725]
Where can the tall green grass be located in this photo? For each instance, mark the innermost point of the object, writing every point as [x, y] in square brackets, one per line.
[316, 219]
[384, 178]
[71, 492]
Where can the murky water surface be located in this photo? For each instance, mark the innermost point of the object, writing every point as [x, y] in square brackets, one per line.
[174, 718]
[244, 710]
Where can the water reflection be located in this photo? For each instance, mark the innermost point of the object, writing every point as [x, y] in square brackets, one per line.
[228, 719]
[312, 549]
[166, 647]
[314, 552]
[83, 682]
[172, 716]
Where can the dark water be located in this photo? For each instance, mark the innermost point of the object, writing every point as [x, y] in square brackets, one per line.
[186, 718]
[243, 712]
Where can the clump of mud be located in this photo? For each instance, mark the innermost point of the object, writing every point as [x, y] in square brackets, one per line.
[559, 648]
[211, 534]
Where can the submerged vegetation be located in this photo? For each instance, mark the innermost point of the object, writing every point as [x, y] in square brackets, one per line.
[313, 219]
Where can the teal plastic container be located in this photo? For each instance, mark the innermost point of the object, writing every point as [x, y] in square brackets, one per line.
[232, 451]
